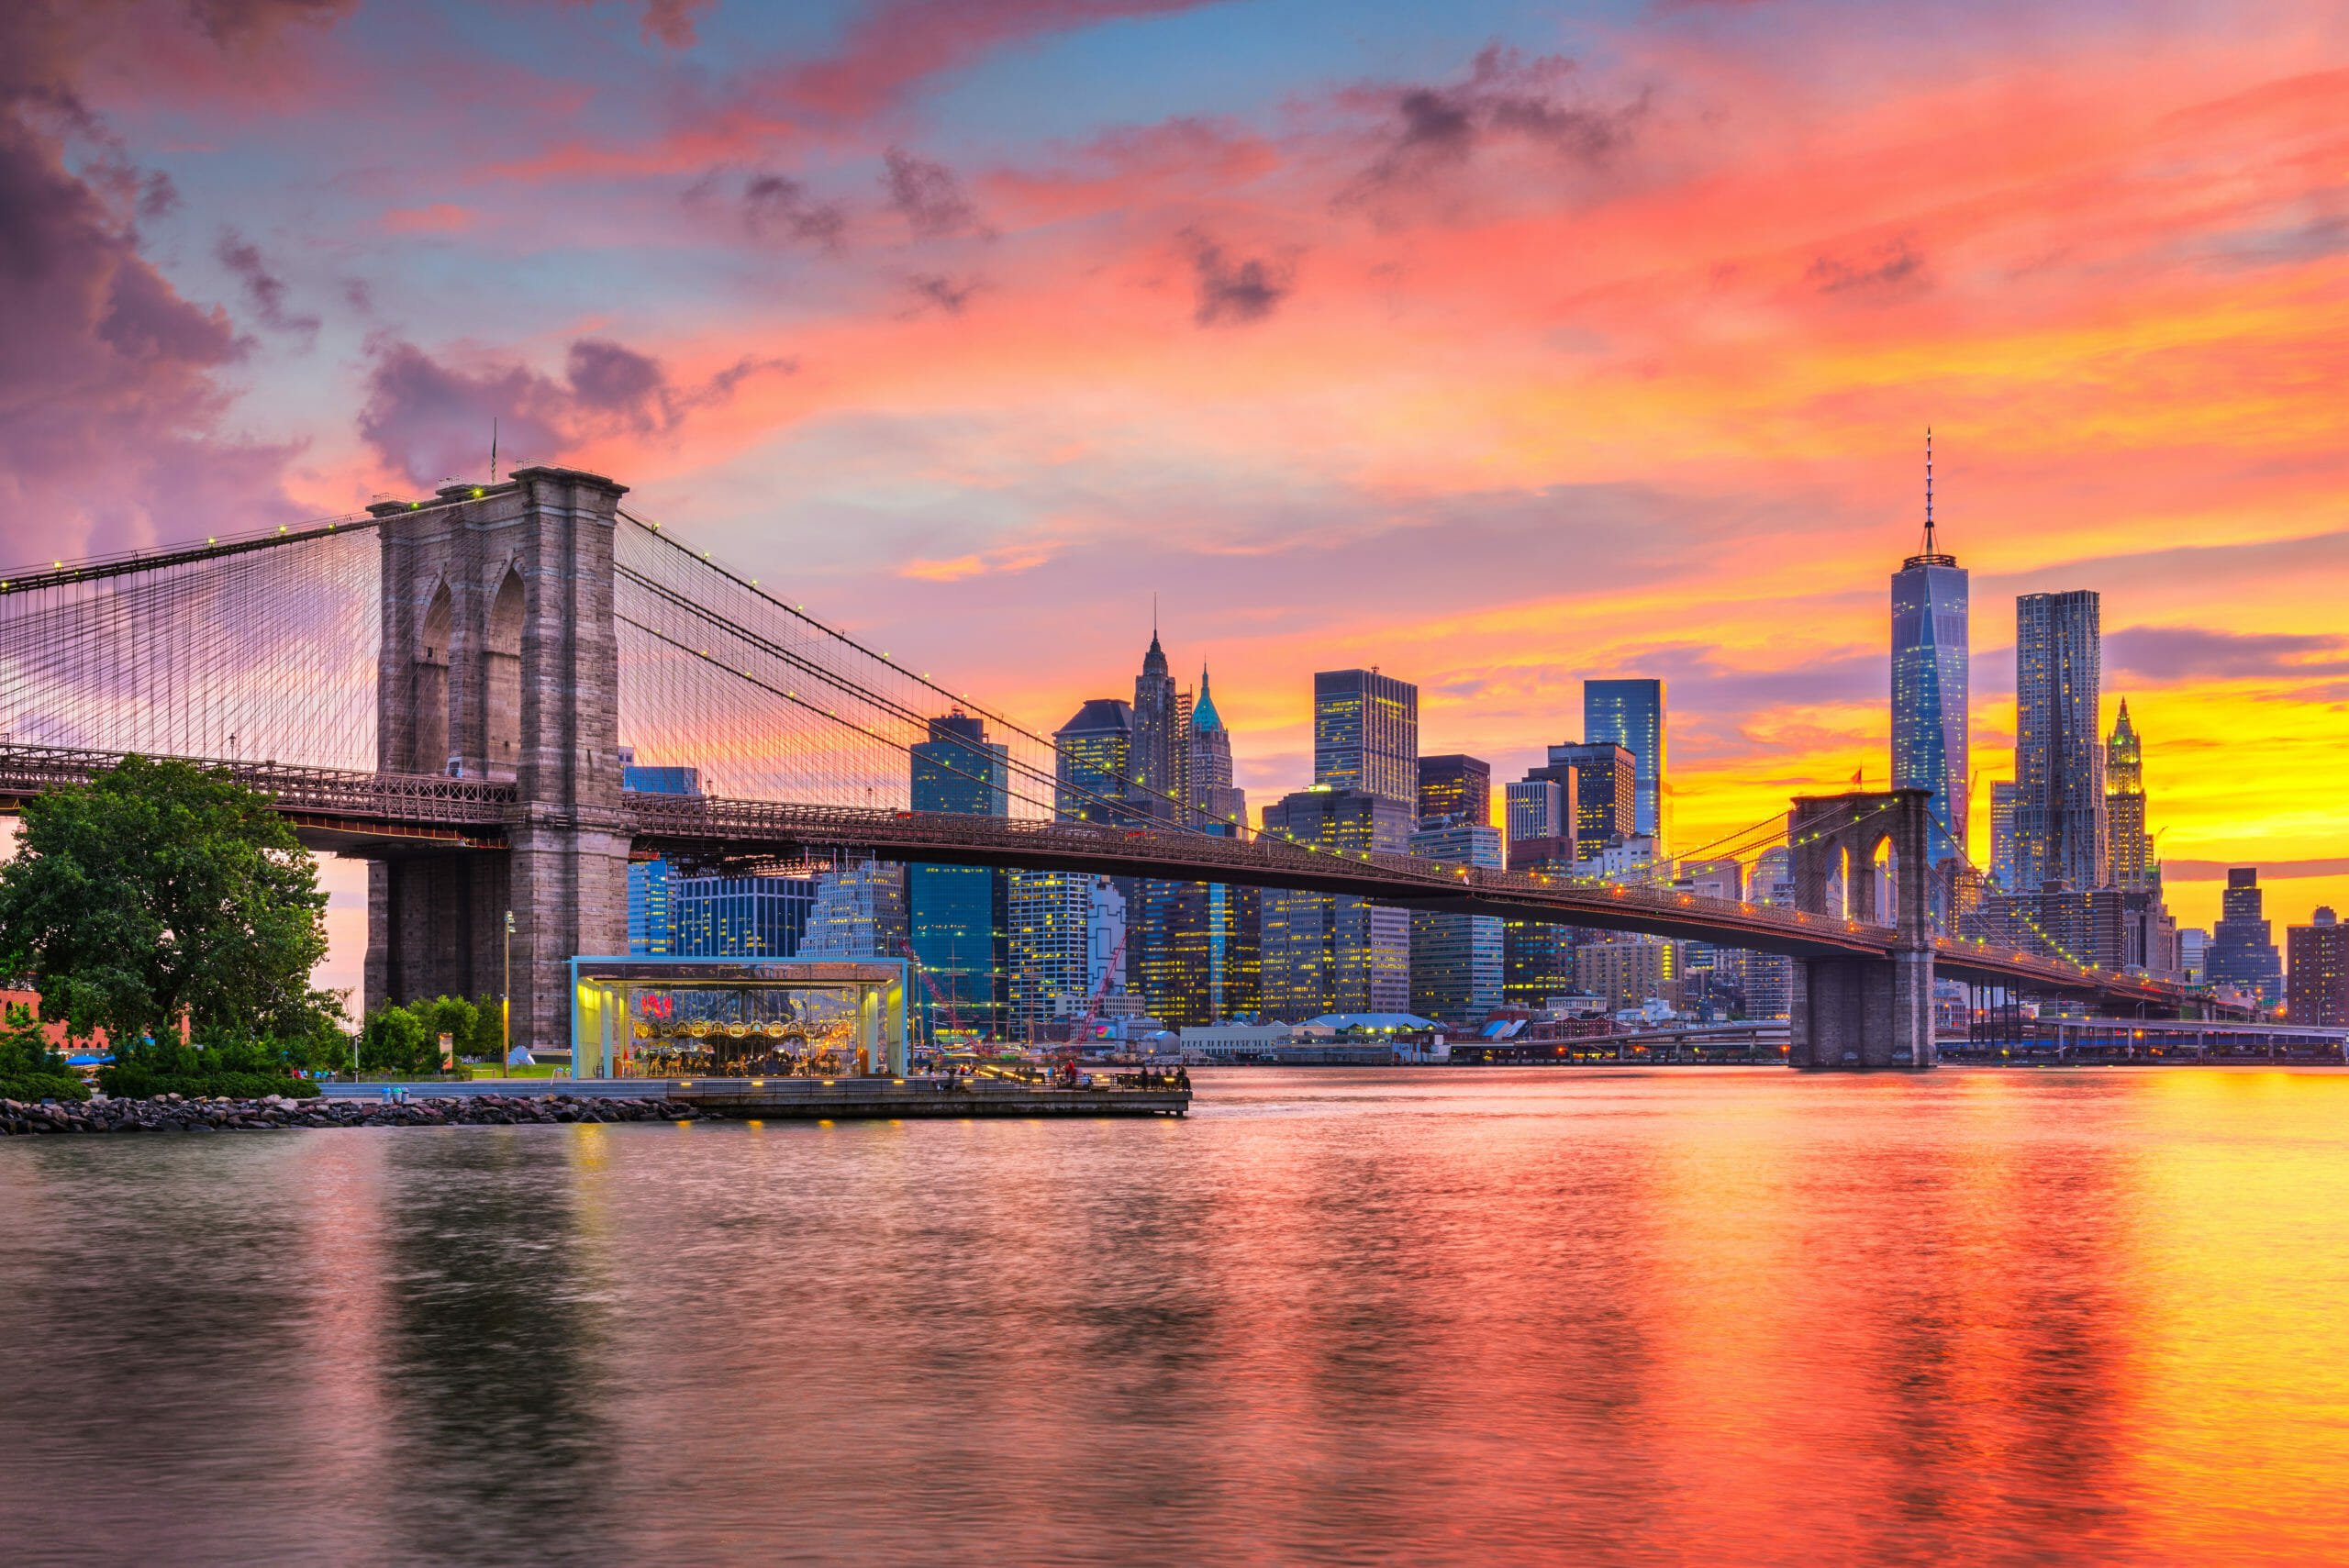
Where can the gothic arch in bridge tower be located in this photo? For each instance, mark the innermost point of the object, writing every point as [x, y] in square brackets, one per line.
[1862, 1012]
[501, 678]
[431, 692]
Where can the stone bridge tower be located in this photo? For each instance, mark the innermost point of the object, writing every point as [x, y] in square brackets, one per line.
[499, 662]
[1856, 1012]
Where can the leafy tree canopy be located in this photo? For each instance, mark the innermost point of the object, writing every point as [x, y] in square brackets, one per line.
[162, 890]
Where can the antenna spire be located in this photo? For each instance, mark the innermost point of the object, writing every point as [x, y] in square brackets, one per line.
[1928, 490]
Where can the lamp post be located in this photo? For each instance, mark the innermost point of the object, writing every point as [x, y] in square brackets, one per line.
[505, 1006]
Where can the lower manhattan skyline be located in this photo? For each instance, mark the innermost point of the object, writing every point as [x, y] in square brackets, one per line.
[979, 372]
[1300, 782]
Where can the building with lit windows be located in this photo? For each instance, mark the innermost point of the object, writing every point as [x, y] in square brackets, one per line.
[1624, 972]
[649, 932]
[2318, 988]
[2129, 845]
[956, 914]
[1599, 788]
[1930, 641]
[1366, 735]
[2242, 951]
[1093, 752]
[1067, 949]
[738, 917]
[2003, 796]
[2059, 752]
[1456, 786]
[1456, 959]
[859, 911]
[1630, 713]
[1329, 952]
[1532, 812]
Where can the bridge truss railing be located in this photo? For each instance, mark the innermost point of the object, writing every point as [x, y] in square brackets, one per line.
[27, 771]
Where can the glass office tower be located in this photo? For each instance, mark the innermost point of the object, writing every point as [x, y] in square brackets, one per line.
[958, 914]
[1631, 714]
[1930, 691]
[2059, 751]
[1366, 734]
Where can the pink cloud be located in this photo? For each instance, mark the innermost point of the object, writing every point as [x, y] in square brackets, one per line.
[440, 217]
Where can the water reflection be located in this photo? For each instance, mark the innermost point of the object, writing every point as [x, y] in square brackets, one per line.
[1336, 1317]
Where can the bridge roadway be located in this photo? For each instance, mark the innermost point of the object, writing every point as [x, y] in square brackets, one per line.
[349, 812]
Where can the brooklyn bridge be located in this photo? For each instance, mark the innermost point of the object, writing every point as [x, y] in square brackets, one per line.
[446, 689]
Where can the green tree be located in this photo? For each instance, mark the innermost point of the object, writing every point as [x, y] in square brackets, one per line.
[451, 1016]
[393, 1040]
[29, 1070]
[163, 891]
[489, 1028]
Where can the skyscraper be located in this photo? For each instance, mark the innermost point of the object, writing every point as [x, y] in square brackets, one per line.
[1050, 916]
[1456, 959]
[1160, 752]
[1067, 946]
[2003, 796]
[739, 916]
[859, 912]
[1212, 795]
[1631, 714]
[1329, 952]
[2242, 951]
[958, 914]
[2132, 852]
[1929, 682]
[1366, 735]
[1094, 750]
[2059, 755]
[1535, 812]
[1455, 786]
[1602, 776]
[1200, 961]
[2319, 973]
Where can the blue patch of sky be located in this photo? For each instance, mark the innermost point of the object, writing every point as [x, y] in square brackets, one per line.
[1242, 61]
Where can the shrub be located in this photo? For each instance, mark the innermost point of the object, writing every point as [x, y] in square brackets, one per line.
[29, 1070]
[216, 1061]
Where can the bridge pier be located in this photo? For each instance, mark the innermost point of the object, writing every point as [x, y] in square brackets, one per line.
[1862, 1012]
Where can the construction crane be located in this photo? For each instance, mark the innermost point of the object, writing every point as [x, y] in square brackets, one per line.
[1092, 1008]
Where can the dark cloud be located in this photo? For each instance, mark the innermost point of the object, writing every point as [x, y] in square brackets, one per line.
[1880, 267]
[432, 420]
[927, 197]
[245, 22]
[2165, 653]
[934, 288]
[264, 289]
[1505, 97]
[1232, 292]
[111, 401]
[777, 205]
[671, 21]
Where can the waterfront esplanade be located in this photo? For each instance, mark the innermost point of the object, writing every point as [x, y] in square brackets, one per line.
[671, 1017]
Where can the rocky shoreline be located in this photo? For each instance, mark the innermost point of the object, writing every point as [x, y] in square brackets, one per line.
[170, 1113]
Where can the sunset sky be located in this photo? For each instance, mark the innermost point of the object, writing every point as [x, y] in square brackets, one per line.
[1497, 345]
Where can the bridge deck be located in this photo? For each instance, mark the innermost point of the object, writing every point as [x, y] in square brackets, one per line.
[350, 812]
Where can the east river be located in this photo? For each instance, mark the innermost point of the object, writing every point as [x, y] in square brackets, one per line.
[1694, 1315]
